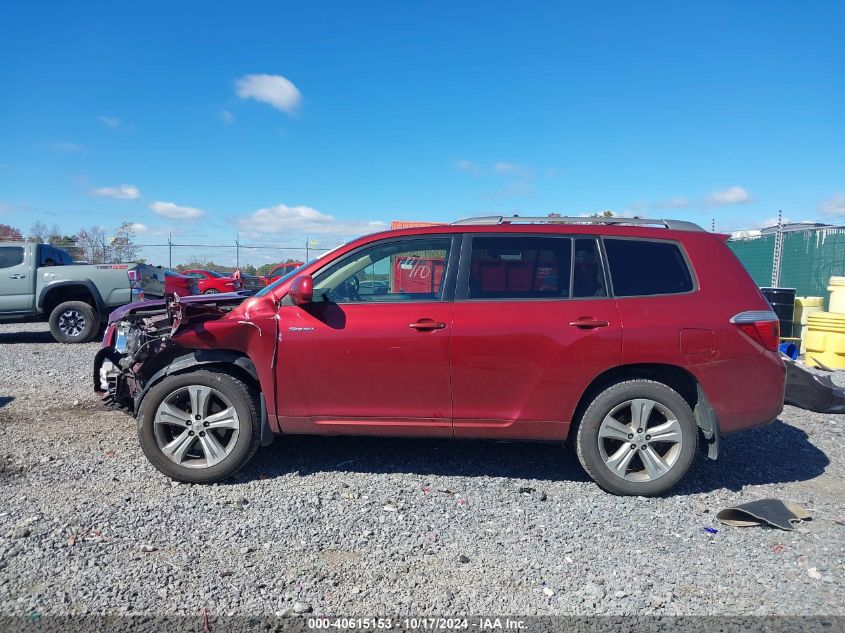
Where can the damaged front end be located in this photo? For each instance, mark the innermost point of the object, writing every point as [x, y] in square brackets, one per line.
[143, 338]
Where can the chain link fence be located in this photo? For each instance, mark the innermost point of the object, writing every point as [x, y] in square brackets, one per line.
[221, 257]
[800, 258]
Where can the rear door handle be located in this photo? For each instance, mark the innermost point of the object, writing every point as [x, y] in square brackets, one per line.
[588, 323]
[17, 276]
[427, 324]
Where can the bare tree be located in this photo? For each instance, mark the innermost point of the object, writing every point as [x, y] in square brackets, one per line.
[37, 232]
[123, 247]
[91, 243]
[54, 236]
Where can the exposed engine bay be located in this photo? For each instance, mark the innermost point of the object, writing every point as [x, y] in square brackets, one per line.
[142, 339]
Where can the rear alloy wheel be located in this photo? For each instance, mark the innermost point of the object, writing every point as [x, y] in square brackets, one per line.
[211, 291]
[637, 438]
[199, 427]
[74, 322]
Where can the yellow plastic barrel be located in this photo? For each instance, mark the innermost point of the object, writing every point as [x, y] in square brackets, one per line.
[836, 288]
[804, 306]
[824, 339]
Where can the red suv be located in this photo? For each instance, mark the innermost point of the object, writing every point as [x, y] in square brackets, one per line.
[636, 341]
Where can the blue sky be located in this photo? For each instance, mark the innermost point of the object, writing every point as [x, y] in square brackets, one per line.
[276, 120]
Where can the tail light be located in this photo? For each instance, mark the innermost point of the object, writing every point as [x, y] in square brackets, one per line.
[136, 293]
[762, 326]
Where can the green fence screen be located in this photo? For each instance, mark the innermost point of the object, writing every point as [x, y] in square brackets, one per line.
[808, 259]
[757, 255]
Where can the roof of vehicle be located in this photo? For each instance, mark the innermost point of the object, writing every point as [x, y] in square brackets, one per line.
[622, 227]
[678, 225]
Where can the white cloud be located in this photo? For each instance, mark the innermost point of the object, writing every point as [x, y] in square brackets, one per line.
[275, 90]
[227, 117]
[121, 192]
[731, 195]
[109, 121]
[506, 168]
[833, 206]
[301, 220]
[675, 202]
[71, 148]
[175, 212]
[144, 229]
[469, 167]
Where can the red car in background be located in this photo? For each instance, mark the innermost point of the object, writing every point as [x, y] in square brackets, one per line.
[211, 282]
[281, 270]
[180, 285]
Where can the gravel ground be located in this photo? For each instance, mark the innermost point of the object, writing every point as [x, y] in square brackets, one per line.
[374, 526]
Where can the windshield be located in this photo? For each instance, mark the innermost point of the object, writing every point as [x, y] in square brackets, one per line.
[269, 287]
[213, 273]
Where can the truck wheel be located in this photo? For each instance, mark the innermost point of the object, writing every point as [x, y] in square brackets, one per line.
[199, 427]
[74, 322]
[637, 437]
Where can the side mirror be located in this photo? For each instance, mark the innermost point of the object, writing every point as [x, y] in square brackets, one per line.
[302, 290]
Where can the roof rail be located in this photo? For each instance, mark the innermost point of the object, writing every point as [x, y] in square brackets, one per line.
[678, 225]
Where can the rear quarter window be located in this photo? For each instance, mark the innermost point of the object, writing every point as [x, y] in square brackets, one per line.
[641, 267]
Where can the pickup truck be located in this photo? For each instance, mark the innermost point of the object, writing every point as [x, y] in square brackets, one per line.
[40, 281]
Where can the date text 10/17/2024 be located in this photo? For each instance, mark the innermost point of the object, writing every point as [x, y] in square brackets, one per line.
[419, 623]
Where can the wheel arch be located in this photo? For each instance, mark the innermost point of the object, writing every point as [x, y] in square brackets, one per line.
[236, 362]
[58, 292]
[678, 378]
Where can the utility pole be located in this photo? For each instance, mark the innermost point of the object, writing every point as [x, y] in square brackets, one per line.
[778, 251]
[307, 259]
[170, 251]
[237, 250]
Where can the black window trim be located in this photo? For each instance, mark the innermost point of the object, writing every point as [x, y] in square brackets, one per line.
[684, 254]
[449, 275]
[462, 286]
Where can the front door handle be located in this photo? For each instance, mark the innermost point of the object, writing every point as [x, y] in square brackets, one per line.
[588, 323]
[17, 276]
[425, 325]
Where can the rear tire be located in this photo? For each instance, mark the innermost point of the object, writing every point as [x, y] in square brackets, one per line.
[637, 437]
[211, 291]
[199, 427]
[74, 322]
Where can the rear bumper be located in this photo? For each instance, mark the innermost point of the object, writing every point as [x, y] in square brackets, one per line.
[745, 392]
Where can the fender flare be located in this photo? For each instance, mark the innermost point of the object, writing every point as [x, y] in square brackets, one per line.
[85, 283]
[198, 358]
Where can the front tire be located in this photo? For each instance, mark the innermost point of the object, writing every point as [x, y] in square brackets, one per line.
[211, 291]
[637, 437]
[199, 427]
[74, 322]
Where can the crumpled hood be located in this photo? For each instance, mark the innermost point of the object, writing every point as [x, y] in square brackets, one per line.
[227, 298]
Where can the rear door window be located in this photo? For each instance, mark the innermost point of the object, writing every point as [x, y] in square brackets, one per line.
[646, 267]
[516, 267]
[588, 273]
[11, 256]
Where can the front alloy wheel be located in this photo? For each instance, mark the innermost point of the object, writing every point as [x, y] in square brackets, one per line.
[201, 426]
[196, 426]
